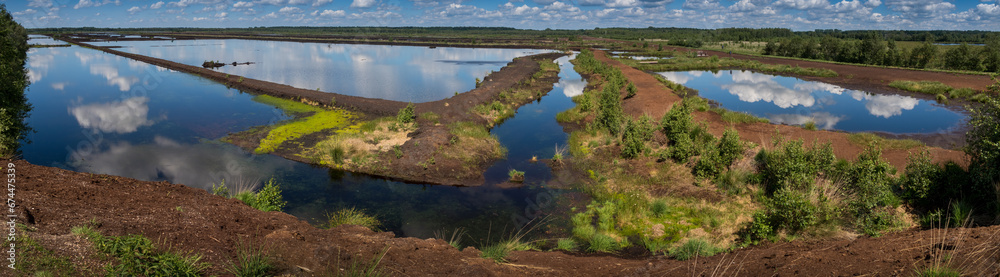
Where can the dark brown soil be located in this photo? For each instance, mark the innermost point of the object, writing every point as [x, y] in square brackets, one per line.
[52, 201]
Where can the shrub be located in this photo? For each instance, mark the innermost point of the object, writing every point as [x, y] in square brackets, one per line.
[637, 132]
[352, 216]
[683, 149]
[868, 181]
[677, 121]
[137, 256]
[659, 208]
[791, 211]
[610, 114]
[756, 230]
[792, 165]
[983, 148]
[730, 147]
[631, 90]
[603, 243]
[406, 115]
[919, 179]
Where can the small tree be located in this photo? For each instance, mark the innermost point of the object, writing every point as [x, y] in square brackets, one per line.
[406, 115]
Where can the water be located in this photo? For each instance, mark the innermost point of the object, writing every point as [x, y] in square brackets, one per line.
[100, 113]
[402, 73]
[787, 100]
[534, 131]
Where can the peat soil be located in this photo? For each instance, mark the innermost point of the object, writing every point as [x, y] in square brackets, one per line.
[50, 201]
[655, 99]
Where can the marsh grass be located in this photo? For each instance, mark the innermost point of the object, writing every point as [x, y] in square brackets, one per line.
[361, 268]
[474, 144]
[950, 253]
[941, 91]
[34, 259]
[251, 260]
[864, 139]
[352, 216]
[136, 255]
[455, 240]
[694, 248]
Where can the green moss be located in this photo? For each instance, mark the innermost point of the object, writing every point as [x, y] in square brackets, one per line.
[321, 120]
[293, 107]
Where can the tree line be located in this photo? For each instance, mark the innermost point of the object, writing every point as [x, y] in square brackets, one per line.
[874, 50]
[14, 105]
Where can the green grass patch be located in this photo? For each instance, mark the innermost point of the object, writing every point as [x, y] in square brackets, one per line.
[474, 144]
[928, 87]
[36, 260]
[738, 117]
[267, 199]
[865, 139]
[251, 261]
[136, 255]
[289, 106]
[694, 248]
[352, 216]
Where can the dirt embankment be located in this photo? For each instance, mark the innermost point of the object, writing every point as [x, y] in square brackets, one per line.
[661, 98]
[52, 200]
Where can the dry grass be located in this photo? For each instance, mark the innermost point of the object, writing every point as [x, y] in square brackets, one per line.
[366, 138]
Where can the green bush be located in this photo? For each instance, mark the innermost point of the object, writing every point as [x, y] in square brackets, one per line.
[406, 115]
[868, 181]
[610, 114]
[631, 90]
[603, 243]
[677, 122]
[790, 210]
[793, 166]
[730, 147]
[756, 230]
[919, 180]
[137, 256]
[567, 245]
[683, 149]
[637, 132]
[983, 148]
[659, 208]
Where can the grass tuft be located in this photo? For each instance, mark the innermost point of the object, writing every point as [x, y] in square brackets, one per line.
[352, 216]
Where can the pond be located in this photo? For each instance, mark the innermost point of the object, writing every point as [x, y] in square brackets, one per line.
[100, 113]
[788, 100]
[402, 73]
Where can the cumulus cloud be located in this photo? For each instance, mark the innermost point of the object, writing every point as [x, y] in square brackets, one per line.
[362, 3]
[332, 13]
[321, 2]
[920, 8]
[823, 120]
[156, 5]
[288, 10]
[701, 4]
[885, 106]
[802, 4]
[133, 10]
[95, 3]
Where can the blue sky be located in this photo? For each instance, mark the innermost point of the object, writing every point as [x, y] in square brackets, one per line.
[527, 14]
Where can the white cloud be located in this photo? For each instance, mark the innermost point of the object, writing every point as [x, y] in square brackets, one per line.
[321, 2]
[362, 3]
[988, 9]
[156, 5]
[242, 5]
[332, 13]
[701, 4]
[221, 14]
[920, 8]
[133, 10]
[25, 12]
[287, 10]
[802, 4]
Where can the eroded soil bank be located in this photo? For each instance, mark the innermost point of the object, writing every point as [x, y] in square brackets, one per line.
[51, 201]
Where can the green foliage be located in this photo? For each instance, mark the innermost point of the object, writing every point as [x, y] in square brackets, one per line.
[610, 114]
[939, 271]
[267, 199]
[983, 148]
[321, 119]
[352, 216]
[137, 256]
[868, 181]
[756, 230]
[515, 175]
[630, 90]
[637, 132]
[810, 125]
[603, 243]
[738, 117]
[406, 114]
[694, 248]
[567, 245]
[251, 261]
[676, 123]
[658, 208]
[928, 87]
[14, 106]
[791, 165]
[919, 178]
[35, 260]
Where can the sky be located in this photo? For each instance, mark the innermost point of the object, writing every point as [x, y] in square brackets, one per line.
[797, 15]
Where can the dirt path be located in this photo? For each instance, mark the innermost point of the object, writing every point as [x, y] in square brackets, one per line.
[655, 99]
[52, 200]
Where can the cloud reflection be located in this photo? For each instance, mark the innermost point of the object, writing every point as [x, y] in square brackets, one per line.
[118, 117]
[752, 87]
[885, 106]
[823, 120]
[196, 165]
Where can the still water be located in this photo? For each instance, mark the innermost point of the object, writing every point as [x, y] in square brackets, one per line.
[100, 113]
[402, 73]
[788, 100]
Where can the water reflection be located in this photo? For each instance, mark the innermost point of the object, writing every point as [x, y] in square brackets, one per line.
[195, 165]
[404, 73]
[118, 117]
[787, 100]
